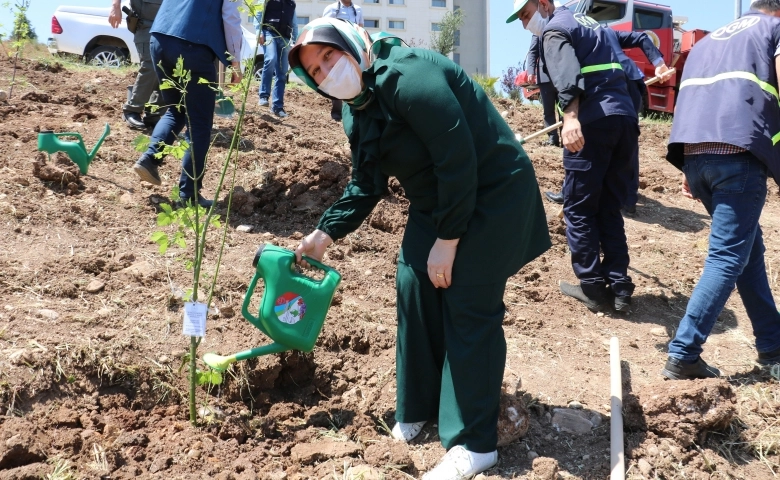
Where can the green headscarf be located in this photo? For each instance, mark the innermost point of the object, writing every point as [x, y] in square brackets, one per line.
[348, 38]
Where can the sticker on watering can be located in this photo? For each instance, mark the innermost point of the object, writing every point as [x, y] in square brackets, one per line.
[195, 319]
[290, 308]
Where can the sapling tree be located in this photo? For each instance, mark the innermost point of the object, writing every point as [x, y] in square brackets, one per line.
[445, 39]
[21, 34]
[194, 221]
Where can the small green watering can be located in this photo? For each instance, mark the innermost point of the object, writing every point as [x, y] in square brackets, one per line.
[293, 307]
[49, 142]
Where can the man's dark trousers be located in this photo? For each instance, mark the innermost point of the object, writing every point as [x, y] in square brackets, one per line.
[198, 112]
[595, 187]
[450, 357]
[636, 89]
[549, 95]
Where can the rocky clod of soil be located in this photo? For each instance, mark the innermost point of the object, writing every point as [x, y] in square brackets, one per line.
[682, 411]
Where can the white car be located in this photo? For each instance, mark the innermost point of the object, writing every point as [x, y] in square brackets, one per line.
[85, 31]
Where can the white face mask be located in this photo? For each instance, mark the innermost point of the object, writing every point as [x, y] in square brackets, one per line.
[537, 23]
[344, 80]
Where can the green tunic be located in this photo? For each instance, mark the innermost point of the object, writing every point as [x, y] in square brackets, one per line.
[461, 167]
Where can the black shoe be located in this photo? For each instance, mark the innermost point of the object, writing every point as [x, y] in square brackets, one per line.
[594, 303]
[133, 120]
[628, 210]
[622, 303]
[554, 197]
[146, 168]
[205, 203]
[680, 370]
[335, 116]
[769, 358]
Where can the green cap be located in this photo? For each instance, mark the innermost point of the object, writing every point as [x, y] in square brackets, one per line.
[519, 4]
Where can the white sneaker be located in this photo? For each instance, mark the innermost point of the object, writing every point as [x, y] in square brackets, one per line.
[406, 432]
[461, 464]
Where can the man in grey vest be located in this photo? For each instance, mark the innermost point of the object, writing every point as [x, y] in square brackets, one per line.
[347, 10]
[725, 140]
[146, 88]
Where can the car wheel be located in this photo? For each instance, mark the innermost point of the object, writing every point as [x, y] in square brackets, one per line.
[107, 57]
[258, 68]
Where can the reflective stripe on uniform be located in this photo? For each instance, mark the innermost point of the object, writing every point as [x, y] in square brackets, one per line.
[603, 66]
[767, 87]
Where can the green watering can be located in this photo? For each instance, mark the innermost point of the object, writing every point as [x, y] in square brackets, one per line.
[224, 106]
[49, 142]
[293, 307]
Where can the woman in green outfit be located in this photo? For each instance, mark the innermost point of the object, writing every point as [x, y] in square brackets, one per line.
[475, 218]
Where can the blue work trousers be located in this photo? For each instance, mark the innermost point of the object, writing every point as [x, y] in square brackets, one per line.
[275, 67]
[636, 89]
[733, 190]
[595, 187]
[197, 113]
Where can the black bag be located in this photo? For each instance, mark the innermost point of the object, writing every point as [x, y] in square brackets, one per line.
[132, 19]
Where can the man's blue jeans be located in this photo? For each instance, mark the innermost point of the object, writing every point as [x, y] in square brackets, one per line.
[198, 105]
[733, 190]
[275, 65]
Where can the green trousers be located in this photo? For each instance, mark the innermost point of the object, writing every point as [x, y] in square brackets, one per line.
[450, 357]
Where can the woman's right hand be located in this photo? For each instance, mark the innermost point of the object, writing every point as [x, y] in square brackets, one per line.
[313, 245]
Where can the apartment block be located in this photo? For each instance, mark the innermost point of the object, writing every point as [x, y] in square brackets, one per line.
[415, 21]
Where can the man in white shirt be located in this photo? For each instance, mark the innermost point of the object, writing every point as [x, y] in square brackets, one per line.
[347, 10]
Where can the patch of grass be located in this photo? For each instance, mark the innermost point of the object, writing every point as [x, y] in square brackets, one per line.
[62, 470]
[755, 430]
[658, 117]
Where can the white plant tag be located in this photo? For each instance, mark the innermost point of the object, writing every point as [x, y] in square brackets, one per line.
[195, 319]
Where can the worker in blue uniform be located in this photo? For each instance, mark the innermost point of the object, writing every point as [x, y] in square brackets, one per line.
[620, 40]
[727, 153]
[599, 135]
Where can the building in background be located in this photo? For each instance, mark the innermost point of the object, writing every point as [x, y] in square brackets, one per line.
[415, 20]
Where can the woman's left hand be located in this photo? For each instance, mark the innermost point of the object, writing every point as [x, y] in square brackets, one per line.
[440, 262]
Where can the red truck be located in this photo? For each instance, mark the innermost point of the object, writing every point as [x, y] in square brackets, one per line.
[664, 29]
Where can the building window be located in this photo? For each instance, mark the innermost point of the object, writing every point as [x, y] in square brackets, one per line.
[301, 21]
[371, 1]
[438, 3]
[435, 27]
[370, 23]
[456, 58]
[457, 38]
[396, 2]
[395, 24]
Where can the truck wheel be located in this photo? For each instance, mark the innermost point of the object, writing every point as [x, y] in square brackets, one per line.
[107, 57]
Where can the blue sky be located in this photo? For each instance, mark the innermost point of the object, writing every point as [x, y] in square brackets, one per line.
[508, 42]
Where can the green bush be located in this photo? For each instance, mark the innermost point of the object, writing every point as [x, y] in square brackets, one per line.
[487, 83]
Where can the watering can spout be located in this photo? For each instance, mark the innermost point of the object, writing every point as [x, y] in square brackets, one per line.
[293, 307]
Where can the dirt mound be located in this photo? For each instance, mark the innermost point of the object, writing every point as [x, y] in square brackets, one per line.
[682, 411]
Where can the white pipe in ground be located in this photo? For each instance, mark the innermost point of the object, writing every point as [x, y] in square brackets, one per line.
[617, 461]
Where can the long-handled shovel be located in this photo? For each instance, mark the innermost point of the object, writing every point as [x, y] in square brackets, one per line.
[559, 124]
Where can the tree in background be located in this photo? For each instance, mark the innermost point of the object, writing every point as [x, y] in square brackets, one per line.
[443, 41]
[22, 31]
[507, 81]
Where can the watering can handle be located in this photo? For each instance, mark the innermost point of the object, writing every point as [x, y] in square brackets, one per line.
[317, 264]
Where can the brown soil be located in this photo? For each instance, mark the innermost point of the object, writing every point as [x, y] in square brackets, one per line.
[90, 324]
